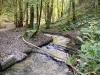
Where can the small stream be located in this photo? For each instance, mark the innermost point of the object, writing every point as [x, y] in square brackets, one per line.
[39, 63]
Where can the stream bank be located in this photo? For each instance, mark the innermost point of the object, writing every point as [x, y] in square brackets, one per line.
[39, 63]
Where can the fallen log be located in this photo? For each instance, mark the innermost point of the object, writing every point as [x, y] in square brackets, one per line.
[49, 54]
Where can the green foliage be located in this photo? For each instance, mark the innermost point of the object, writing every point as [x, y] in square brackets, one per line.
[30, 32]
[90, 49]
[71, 60]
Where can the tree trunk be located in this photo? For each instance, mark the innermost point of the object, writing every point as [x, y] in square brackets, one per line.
[31, 17]
[45, 12]
[96, 8]
[69, 11]
[58, 8]
[40, 13]
[15, 13]
[37, 8]
[48, 15]
[26, 14]
[73, 10]
[98, 2]
[62, 8]
[20, 24]
[1, 6]
[51, 9]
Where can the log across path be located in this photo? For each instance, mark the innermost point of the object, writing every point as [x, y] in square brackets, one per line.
[46, 52]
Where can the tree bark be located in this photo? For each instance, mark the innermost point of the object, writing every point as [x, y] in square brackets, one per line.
[40, 12]
[31, 17]
[48, 15]
[51, 9]
[20, 22]
[1, 6]
[58, 8]
[37, 11]
[62, 8]
[26, 14]
[73, 10]
[96, 8]
[15, 13]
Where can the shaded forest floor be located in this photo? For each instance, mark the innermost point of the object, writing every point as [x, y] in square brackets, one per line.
[12, 44]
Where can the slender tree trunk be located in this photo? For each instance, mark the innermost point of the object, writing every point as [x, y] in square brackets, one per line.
[73, 10]
[40, 12]
[51, 9]
[69, 10]
[62, 8]
[48, 15]
[45, 12]
[31, 17]
[15, 12]
[26, 14]
[96, 8]
[58, 8]
[37, 8]
[20, 24]
[1, 6]
[98, 2]
[39, 18]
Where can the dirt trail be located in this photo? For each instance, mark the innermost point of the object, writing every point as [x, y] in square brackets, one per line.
[7, 26]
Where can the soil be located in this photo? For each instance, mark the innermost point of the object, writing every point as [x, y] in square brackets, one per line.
[10, 43]
[5, 26]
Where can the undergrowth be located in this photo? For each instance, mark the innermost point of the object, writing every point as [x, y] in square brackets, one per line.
[88, 62]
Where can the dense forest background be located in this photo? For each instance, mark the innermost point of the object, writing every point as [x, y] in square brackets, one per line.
[82, 16]
[32, 12]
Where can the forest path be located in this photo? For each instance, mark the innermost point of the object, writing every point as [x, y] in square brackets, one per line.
[5, 26]
[37, 63]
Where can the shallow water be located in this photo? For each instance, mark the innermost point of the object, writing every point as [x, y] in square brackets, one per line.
[39, 63]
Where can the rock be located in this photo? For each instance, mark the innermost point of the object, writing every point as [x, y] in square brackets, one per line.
[37, 64]
[58, 54]
[7, 62]
[59, 40]
[18, 56]
[28, 51]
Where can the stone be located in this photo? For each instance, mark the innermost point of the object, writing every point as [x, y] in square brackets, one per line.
[19, 56]
[59, 40]
[7, 62]
[57, 53]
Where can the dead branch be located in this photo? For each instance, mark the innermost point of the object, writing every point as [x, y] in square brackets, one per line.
[51, 55]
